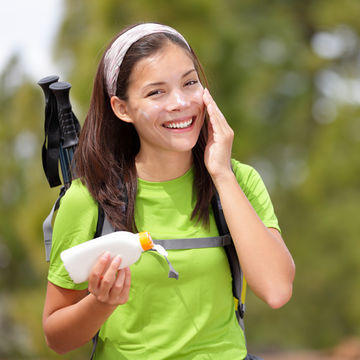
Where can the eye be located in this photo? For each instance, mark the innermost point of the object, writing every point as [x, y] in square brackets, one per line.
[191, 82]
[154, 92]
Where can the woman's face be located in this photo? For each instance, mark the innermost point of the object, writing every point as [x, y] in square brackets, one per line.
[165, 101]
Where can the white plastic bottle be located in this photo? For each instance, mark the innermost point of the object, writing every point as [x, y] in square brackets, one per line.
[80, 259]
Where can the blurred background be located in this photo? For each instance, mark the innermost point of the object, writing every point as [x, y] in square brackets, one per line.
[286, 74]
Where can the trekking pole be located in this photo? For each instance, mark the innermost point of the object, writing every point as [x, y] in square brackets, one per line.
[51, 150]
[69, 127]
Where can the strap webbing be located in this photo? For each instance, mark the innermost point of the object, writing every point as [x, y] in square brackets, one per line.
[95, 342]
[194, 243]
[107, 227]
[47, 229]
[47, 225]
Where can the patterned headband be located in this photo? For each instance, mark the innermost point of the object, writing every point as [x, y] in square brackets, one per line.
[115, 55]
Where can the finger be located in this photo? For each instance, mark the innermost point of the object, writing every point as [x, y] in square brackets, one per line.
[210, 102]
[124, 296]
[119, 282]
[217, 119]
[117, 288]
[214, 122]
[110, 276]
[214, 110]
[119, 293]
[210, 136]
[98, 270]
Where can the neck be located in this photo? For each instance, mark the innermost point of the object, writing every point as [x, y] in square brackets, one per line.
[163, 166]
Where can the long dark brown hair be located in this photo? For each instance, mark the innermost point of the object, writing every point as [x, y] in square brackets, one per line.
[105, 157]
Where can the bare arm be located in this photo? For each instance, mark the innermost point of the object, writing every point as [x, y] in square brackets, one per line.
[266, 262]
[72, 317]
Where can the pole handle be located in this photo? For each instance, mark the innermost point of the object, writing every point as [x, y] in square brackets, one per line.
[45, 82]
[67, 119]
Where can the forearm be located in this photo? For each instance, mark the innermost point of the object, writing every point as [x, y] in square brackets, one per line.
[266, 262]
[73, 326]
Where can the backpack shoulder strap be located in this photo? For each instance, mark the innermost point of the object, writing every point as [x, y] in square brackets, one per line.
[47, 225]
[238, 283]
[103, 227]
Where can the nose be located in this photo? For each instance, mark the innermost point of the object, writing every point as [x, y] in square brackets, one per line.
[177, 101]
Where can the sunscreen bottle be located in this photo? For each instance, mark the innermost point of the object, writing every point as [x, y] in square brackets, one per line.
[80, 259]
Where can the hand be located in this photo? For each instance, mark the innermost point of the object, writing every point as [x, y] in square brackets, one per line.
[107, 283]
[217, 154]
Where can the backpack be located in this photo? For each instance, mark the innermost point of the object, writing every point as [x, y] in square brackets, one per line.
[62, 130]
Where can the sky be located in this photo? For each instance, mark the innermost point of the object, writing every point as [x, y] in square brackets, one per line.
[28, 28]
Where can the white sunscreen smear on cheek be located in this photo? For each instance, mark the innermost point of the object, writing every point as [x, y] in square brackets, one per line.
[181, 101]
[198, 96]
[144, 114]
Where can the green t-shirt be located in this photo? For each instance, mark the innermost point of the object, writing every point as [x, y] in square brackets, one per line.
[189, 318]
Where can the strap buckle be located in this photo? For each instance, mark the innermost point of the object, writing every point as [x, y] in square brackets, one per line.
[241, 309]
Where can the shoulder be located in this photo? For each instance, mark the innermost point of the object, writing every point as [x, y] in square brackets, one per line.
[247, 176]
[77, 197]
[75, 223]
[78, 211]
[255, 190]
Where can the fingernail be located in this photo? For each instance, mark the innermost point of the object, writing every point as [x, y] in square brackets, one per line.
[106, 255]
[117, 259]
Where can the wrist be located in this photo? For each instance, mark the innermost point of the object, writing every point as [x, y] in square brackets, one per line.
[101, 306]
[223, 177]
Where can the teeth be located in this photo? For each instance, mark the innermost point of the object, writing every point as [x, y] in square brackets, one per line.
[179, 125]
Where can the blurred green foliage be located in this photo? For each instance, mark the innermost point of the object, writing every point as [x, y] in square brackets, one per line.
[286, 76]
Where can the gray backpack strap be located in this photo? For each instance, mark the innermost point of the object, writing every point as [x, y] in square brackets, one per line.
[107, 227]
[47, 225]
[48, 230]
[190, 243]
[194, 243]
[180, 244]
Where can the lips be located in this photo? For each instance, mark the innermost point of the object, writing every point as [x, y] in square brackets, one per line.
[181, 123]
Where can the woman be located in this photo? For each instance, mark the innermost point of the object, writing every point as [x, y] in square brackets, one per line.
[152, 151]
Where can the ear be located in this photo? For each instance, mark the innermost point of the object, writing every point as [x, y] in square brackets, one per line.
[120, 109]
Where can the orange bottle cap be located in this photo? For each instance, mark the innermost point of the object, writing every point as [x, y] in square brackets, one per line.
[145, 240]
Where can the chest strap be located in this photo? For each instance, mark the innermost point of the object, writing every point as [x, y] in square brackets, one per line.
[173, 244]
[179, 244]
[194, 243]
[176, 244]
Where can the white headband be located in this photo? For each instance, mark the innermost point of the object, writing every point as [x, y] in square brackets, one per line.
[115, 55]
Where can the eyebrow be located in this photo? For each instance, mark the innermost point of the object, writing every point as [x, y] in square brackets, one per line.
[162, 82]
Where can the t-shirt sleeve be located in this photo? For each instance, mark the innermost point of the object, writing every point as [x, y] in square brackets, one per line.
[254, 188]
[74, 224]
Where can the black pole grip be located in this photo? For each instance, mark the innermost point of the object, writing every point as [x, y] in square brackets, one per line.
[50, 148]
[45, 83]
[67, 119]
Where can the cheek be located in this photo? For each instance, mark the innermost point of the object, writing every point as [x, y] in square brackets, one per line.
[148, 113]
[197, 96]
[143, 114]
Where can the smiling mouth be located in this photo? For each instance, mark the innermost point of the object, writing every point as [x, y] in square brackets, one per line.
[179, 124]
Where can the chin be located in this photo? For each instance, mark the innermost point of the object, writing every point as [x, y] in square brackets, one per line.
[185, 145]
